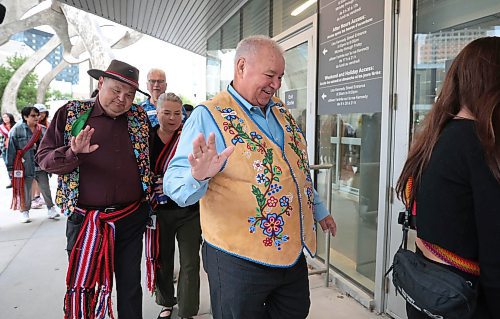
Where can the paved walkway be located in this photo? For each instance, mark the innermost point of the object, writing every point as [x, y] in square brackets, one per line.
[33, 267]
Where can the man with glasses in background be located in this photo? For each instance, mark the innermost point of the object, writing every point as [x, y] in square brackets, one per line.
[156, 85]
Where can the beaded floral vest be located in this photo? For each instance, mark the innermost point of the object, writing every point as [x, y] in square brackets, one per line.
[67, 184]
[260, 206]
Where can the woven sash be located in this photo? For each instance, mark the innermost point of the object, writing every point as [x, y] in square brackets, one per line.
[91, 264]
[18, 173]
[463, 264]
[152, 236]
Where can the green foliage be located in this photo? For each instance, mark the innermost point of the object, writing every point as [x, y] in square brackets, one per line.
[185, 100]
[56, 95]
[27, 91]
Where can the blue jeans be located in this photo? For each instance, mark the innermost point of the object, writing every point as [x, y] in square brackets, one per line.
[241, 289]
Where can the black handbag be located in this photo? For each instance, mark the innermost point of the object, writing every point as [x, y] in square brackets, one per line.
[430, 288]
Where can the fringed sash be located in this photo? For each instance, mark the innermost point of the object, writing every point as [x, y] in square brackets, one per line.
[18, 174]
[91, 264]
[152, 250]
[463, 264]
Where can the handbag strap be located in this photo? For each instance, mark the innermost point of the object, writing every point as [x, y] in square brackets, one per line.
[408, 220]
[408, 217]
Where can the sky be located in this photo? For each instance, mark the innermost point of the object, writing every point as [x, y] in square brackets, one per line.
[185, 70]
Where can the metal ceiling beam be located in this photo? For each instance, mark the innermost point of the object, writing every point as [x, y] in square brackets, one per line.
[184, 23]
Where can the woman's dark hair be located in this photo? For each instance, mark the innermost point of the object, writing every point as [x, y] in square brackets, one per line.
[12, 119]
[26, 111]
[473, 81]
[188, 107]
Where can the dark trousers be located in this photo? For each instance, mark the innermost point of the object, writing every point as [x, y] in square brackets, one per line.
[42, 178]
[240, 289]
[128, 254]
[185, 225]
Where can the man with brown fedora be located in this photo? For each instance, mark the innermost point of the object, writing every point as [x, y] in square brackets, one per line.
[100, 150]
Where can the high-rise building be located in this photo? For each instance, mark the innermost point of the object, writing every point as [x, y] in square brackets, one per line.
[35, 39]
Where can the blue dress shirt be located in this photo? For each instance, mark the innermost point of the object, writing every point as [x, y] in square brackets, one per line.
[150, 109]
[178, 182]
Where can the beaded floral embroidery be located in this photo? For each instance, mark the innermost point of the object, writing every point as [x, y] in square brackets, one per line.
[296, 139]
[272, 205]
[67, 184]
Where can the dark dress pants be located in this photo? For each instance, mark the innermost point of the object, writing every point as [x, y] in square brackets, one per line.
[241, 289]
[183, 223]
[128, 255]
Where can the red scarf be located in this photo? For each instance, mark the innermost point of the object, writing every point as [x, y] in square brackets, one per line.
[91, 264]
[4, 130]
[18, 171]
[152, 237]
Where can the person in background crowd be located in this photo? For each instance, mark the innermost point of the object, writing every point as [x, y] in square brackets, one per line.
[186, 110]
[157, 84]
[174, 221]
[8, 122]
[454, 163]
[24, 139]
[44, 115]
[37, 201]
[100, 150]
[258, 208]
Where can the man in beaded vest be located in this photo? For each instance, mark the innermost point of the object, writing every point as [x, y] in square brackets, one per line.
[244, 155]
[100, 150]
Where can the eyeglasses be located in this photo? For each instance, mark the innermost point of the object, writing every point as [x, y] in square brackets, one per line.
[156, 81]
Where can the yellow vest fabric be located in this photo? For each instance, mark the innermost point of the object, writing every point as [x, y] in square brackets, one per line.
[260, 206]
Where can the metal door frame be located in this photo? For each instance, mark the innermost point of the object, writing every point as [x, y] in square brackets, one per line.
[394, 305]
[305, 31]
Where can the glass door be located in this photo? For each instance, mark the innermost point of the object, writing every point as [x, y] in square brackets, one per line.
[297, 86]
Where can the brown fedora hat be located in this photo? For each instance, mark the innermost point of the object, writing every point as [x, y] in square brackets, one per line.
[119, 71]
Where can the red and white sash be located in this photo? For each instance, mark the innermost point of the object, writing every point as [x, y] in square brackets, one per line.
[18, 171]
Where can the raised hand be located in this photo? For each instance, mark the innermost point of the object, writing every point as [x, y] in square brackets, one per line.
[205, 162]
[81, 142]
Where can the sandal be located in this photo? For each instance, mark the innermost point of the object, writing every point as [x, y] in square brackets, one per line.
[165, 309]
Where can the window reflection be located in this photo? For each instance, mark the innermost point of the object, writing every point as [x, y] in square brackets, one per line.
[293, 91]
[351, 142]
[438, 39]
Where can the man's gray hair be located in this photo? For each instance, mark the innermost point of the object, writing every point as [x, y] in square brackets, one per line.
[156, 70]
[172, 97]
[248, 46]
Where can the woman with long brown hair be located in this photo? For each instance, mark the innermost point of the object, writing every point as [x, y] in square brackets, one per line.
[454, 163]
